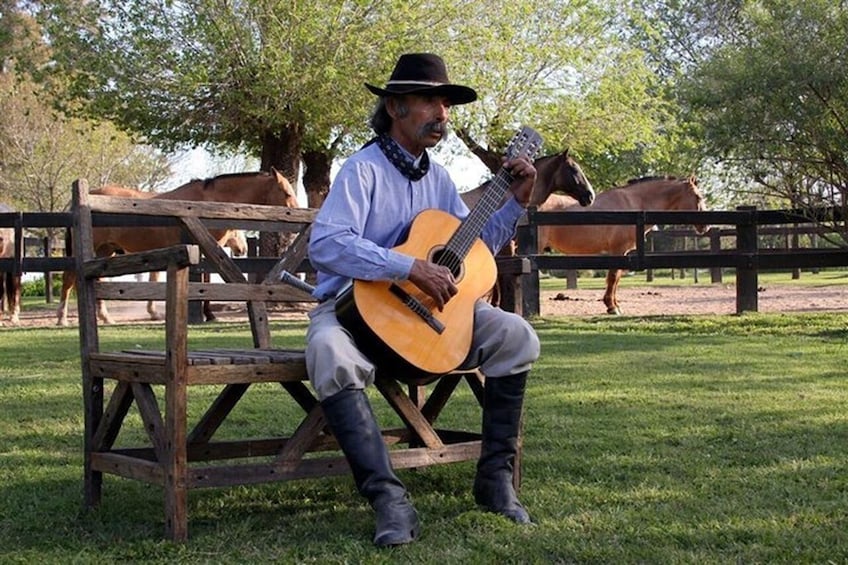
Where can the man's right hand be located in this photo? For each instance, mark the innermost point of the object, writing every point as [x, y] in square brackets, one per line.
[434, 280]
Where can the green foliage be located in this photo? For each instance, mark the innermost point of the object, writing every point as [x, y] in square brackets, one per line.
[36, 287]
[43, 152]
[774, 101]
[232, 75]
[228, 75]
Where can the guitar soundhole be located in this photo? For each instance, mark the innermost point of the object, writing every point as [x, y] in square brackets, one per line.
[450, 260]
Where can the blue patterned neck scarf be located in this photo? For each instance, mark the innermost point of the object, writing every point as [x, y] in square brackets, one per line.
[400, 159]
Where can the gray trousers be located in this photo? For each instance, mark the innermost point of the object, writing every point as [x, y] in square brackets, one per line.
[503, 344]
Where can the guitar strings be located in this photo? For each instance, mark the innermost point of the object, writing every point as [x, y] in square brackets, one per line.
[462, 240]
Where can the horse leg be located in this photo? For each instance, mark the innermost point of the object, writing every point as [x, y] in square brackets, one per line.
[13, 292]
[5, 290]
[208, 314]
[151, 309]
[613, 277]
[103, 313]
[69, 279]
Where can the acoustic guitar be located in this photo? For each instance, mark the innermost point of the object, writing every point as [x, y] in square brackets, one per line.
[396, 324]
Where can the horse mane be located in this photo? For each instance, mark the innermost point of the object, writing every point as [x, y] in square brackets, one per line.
[650, 178]
[209, 180]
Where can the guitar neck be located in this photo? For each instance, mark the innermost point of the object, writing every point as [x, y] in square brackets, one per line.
[463, 238]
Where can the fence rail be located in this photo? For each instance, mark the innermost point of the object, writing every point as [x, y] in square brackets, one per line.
[747, 258]
[745, 225]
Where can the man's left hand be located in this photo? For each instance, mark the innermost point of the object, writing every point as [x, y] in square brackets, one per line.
[524, 174]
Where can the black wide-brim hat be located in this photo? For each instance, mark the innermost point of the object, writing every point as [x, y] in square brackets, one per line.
[424, 74]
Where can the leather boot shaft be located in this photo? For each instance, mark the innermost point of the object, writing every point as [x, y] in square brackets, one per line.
[349, 416]
[502, 410]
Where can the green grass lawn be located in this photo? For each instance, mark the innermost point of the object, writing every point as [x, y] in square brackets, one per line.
[708, 439]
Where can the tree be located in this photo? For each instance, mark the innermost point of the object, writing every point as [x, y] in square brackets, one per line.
[568, 71]
[42, 152]
[776, 103]
[268, 78]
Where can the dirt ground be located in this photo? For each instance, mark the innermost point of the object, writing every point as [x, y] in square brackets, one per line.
[638, 301]
[695, 299]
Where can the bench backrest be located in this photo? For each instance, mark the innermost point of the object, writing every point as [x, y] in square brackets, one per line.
[195, 219]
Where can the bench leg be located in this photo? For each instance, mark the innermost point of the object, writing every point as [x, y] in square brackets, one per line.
[93, 405]
[175, 464]
[93, 485]
[175, 469]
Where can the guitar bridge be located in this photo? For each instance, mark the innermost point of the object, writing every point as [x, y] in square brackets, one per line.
[417, 308]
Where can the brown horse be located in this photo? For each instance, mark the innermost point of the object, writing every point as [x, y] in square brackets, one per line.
[235, 240]
[247, 188]
[649, 193]
[10, 283]
[558, 172]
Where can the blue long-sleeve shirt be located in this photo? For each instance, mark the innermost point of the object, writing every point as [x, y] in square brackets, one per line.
[368, 211]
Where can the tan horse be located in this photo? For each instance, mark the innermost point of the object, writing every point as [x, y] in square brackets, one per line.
[649, 193]
[236, 241]
[10, 283]
[247, 188]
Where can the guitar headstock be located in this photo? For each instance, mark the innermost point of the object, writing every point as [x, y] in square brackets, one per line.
[527, 142]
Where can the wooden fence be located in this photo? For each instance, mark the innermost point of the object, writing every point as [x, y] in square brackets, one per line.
[744, 225]
[746, 256]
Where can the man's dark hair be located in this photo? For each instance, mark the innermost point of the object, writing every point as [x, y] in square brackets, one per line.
[381, 121]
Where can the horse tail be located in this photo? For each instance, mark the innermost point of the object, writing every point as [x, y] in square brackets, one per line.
[69, 246]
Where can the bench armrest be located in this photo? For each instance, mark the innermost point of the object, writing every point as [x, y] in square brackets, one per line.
[144, 262]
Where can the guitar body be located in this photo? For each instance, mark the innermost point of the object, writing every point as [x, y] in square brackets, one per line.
[393, 335]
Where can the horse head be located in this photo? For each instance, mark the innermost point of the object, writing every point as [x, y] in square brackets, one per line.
[287, 195]
[561, 172]
[694, 193]
[236, 241]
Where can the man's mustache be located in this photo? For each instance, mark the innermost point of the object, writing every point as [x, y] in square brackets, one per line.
[435, 127]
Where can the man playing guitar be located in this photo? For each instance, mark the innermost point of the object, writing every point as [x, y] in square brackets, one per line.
[374, 199]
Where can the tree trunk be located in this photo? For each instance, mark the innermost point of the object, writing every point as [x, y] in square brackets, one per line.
[316, 177]
[492, 159]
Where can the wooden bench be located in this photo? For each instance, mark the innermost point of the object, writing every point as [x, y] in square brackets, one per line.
[179, 454]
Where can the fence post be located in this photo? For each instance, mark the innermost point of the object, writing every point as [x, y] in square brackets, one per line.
[794, 244]
[19, 245]
[527, 246]
[746, 268]
[814, 243]
[48, 275]
[650, 236]
[715, 247]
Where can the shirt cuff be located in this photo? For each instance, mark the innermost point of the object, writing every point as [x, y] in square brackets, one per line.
[399, 265]
[514, 208]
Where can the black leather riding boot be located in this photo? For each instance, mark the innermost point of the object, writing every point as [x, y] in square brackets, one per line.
[493, 488]
[349, 415]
